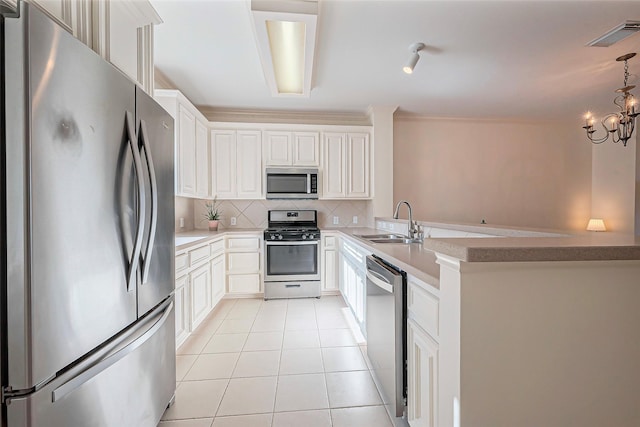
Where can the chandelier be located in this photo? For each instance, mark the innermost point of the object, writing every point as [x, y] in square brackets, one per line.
[618, 125]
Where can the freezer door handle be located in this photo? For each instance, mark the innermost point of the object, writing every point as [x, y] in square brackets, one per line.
[96, 369]
[146, 256]
[137, 165]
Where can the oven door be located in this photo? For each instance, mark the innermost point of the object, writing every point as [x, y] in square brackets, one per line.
[289, 261]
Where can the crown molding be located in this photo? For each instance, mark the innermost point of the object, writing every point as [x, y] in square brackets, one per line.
[216, 114]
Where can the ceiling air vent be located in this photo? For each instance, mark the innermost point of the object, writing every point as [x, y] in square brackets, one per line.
[616, 34]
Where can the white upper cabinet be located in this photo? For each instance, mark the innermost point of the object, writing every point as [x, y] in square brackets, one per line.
[120, 31]
[249, 164]
[236, 162]
[345, 163]
[306, 149]
[283, 148]
[278, 148]
[191, 144]
[202, 159]
[357, 158]
[333, 174]
[186, 152]
[223, 161]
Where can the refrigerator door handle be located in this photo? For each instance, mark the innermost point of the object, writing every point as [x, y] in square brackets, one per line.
[96, 369]
[137, 165]
[146, 256]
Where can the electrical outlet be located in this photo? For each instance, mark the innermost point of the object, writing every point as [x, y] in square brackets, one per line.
[181, 222]
[355, 219]
[233, 220]
[336, 220]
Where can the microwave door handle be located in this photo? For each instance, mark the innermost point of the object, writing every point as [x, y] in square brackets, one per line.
[137, 166]
[146, 255]
[308, 183]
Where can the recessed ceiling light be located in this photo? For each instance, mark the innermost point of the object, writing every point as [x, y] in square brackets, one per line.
[616, 34]
[285, 33]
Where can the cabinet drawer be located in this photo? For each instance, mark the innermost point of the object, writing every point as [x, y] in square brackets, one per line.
[329, 242]
[424, 308]
[244, 283]
[243, 262]
[243, 243]
[182, 262]
[216, 247]
[197, 255]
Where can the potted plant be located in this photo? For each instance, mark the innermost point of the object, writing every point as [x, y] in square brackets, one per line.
[212, 214]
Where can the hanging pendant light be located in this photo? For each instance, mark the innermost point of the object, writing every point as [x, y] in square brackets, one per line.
[618, 125]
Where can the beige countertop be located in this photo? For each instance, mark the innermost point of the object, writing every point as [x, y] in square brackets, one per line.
[419, 259]
[412, 258]
[205, 236]
[591, 247]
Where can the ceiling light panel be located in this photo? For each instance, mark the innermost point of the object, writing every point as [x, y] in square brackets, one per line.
[286, 42]
[285, 32]
[616, 34]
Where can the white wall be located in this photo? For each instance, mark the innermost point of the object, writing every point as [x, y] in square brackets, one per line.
[615, 177]
[507, 172]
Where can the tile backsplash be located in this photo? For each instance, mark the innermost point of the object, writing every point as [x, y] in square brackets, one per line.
[253, 213]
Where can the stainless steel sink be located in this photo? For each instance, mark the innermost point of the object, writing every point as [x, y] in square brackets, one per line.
[404, 240]
[385, 238]
[381, 236]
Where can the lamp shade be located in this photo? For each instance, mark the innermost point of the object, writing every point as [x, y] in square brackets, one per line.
[596, 224]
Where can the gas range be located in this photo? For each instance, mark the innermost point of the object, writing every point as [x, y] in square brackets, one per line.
[292, 255]
[292, 225]
[291, 234]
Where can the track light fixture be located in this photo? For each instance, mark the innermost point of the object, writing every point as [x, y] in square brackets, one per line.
[413, 59]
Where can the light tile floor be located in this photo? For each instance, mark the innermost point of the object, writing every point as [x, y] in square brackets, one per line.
[278, 363]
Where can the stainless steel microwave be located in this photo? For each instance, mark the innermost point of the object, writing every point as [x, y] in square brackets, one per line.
[291, 183]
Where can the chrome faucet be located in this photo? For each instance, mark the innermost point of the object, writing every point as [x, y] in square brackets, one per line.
[415, 233]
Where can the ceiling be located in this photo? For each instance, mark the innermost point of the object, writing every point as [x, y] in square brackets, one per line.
[501, 59]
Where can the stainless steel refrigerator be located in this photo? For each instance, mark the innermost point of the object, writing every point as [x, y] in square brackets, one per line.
[87, 218]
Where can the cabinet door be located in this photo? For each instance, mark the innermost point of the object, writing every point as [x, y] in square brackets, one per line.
[357, 165]
[201, 303]
[306, 149]
[244, 283]
[217, 278]
[249, 165]
[329, 273]
[333, 164]
[422, 373]
[223, 160]
[186, 152]
[182, 310]
[201, 159]
[277, 148]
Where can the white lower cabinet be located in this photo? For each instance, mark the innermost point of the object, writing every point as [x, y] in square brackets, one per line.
[218, 278]
[353, 279]
[422, 377]
[182, 310]
[423, 331]
[244, 265]
[201, 302]
[329, 262]
[200, 286]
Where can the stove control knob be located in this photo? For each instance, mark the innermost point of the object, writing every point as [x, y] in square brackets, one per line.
[304, 236]
[273, 237]
[311, 236]
[279, 236]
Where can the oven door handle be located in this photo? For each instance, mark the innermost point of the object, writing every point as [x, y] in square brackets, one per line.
[308, 183]
[292, 243]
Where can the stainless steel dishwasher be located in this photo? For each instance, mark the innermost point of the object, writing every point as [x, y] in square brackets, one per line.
[386, 332]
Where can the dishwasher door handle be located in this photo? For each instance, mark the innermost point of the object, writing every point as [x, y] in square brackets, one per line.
[379, 280]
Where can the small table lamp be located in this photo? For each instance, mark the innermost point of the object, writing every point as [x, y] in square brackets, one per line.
[596, 224]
